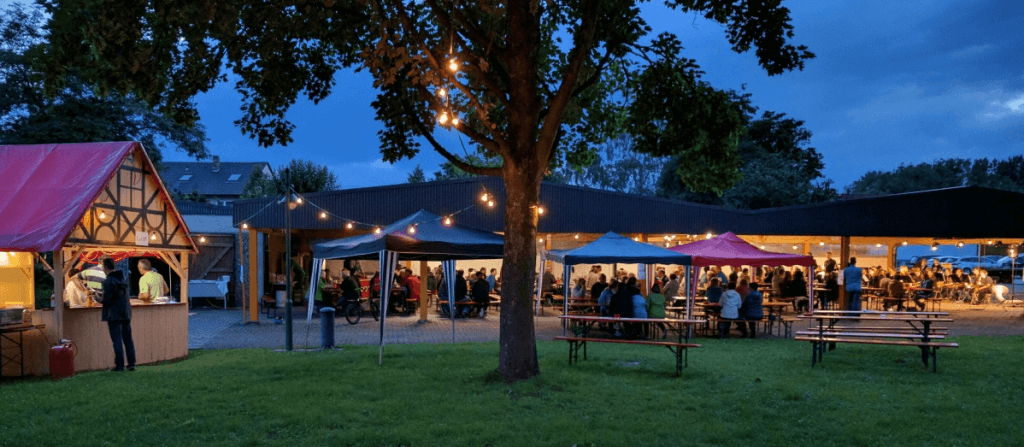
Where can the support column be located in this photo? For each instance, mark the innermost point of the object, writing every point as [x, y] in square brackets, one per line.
[424, 291]
[184, 277]
[844, 261]
[253, 277]
[58, 291]
[890, 255]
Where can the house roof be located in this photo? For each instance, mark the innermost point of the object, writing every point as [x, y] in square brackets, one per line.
[961, 212]
[187, 207]
[47, 188]
[188, 176]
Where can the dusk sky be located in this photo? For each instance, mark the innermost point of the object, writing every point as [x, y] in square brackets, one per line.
[893, 82]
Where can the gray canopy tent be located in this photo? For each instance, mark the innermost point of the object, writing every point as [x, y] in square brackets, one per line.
[614, 248]
[422, 236]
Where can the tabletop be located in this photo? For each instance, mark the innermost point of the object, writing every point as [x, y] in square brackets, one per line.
[880, 317]
[629, 320]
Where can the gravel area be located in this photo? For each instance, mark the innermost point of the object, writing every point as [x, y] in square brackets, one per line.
[223, 329]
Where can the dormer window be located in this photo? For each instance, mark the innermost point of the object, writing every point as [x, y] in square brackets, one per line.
[185, 177]
[234, 177]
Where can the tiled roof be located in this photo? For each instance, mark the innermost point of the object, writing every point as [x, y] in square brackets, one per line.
[189, 176]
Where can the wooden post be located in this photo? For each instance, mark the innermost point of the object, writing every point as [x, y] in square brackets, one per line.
[424, 292]
[184, 277]
[253, 276]
[58, 292]
[890, 255]
[844, 261]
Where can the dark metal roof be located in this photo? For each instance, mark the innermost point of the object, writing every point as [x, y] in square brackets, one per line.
[962, 212]
[205, 180]
[205, 209]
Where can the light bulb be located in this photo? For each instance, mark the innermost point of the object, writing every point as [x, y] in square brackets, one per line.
[541, 240]
[483, 197]
[934, 248]
[794, 247]
[441, 92]
[348, 225]
[443, 118]
[298, 200]
[540, 210]
[990, 242]
[412, 229]
[447, 221]
[577, 236]
[762, 247]
[202, 239]
[490, 203]
[822, 244]
[453, 64]
[904, 243]
[878, 245]
[152, 237]
[245, 226]
[376, 230]
[636, 239]
[323, 215]
[455, 121]
[103, 215]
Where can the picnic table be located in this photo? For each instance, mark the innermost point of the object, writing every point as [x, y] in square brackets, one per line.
[919, 331]
[582, 327]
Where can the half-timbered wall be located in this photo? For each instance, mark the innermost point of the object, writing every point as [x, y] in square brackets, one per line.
[131, 203]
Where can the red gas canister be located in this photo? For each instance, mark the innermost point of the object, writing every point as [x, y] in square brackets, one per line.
[62, 360]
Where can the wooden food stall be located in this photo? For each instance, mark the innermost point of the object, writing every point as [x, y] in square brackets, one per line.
[73, 204]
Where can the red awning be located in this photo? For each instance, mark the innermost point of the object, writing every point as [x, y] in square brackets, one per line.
[728, 249]
[45, 189]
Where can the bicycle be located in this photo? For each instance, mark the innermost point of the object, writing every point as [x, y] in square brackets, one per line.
[353, 310]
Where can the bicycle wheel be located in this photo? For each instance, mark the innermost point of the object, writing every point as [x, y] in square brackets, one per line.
[353, 313]
[375, 310]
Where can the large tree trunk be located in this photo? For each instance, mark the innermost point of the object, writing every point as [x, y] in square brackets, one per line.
[518, 358]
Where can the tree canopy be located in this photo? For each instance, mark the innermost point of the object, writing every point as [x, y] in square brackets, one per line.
[73, 113]
[1005, 174]
[527, 82]
[307, 176]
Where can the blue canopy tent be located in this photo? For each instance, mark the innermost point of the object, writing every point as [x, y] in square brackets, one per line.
[422, 236]
[613, 248]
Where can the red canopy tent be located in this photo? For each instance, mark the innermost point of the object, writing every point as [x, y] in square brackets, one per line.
[728, 249]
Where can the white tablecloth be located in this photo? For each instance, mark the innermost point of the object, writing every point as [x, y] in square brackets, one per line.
[208, 288]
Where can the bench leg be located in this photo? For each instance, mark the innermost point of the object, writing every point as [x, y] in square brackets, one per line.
[814, 353]
[935, 360]
[924, 355]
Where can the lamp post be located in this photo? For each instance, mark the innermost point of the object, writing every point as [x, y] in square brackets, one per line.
[288, 259]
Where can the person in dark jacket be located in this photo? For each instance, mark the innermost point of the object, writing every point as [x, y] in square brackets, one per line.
[117, 312]
[598, 287]
[481, 294]
[752, 311]
[622, 304]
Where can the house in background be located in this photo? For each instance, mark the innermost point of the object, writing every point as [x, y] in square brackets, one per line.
[220, 182]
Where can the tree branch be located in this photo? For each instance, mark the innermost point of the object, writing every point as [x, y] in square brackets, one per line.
[472, 169]
[582, 40]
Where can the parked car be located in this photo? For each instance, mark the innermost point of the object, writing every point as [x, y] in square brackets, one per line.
[970, 262]
[917, 259]
[1007, 262]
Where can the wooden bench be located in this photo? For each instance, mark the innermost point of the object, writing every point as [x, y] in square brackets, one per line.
[928, 348]
[677, 348]
[269, 303]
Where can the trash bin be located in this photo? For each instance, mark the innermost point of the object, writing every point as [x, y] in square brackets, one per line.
[279, 299]
[327, 327]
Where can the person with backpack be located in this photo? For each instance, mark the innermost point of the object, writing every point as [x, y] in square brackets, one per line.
[117, 312]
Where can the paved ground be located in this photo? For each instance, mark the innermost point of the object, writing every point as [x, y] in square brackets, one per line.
[219, 328]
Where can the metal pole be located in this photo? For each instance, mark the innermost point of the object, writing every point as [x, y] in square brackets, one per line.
[288, 260]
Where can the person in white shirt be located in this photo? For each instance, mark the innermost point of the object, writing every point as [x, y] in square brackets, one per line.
[75, 292]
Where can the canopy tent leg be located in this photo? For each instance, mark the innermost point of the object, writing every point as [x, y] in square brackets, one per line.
[314, 282]
[58, 291]
[566, 284]
[448, 268]
[424, 292]
[388, 264]
[844, 261]
[253, 276]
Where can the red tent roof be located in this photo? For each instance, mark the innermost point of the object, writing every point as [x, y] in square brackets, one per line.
[729, 249]
[45, 189]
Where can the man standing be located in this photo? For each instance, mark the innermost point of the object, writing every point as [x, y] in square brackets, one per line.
[151, 284]
[118, 314]
[480, 291]
[851, 279]
[830, 264]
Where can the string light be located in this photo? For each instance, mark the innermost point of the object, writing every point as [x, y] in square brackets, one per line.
[483, 197]
[323, 215]
[904, 243]
[540, 239]
[490, 204]
[152, 237]
[794, 247]
[762, 247]
[453, 64]
[348, 225]
[540, 210]
[960, 244]
[455, 121]
[935, 246]
[298, 200]
[103, 215]
[202, 239]
[577, 236]
[412, 229]
[990, 242]
[441, 92]
[245, 226]
[447, 221]
[443, 118]
[821, 244]
[708, 236]
[636, 238]
[376, 230]
[878, 245]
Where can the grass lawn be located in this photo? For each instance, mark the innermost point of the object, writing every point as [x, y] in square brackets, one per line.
[735, 392]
